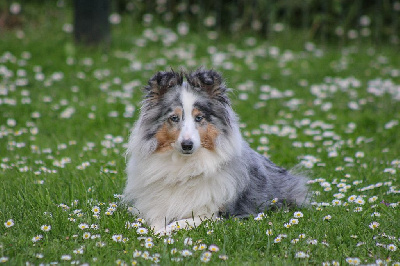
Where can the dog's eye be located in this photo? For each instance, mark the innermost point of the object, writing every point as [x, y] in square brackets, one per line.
[198, 118]
[174, 118]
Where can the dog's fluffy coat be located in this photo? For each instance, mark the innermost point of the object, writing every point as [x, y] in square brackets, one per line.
[188, 161]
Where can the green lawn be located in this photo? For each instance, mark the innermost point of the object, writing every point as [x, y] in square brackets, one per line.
[66, 111]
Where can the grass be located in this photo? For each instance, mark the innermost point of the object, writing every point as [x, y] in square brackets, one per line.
[66, 111]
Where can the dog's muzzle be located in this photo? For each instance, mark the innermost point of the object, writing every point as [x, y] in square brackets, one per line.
[187, 146]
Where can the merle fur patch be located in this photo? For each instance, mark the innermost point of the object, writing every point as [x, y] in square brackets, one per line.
[209, 81]
[159, 84]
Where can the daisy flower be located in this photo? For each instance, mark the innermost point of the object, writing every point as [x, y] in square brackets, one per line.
[149, 244]
[287, 225]
[96, 210]
[141, 231]
[372, 199]
[278, 239]
[78, 251]
[111, 209]
[169, 240]
[174, 251]
[95, 236]
[294, 241]
[374, 225]
[66, 257]
[298, 215]
[9, 223]
[259, 216]
[269, 232]
[3, 259]
[213, 248]
[327, 218]
[392, 247]
[352, 198]
[202, 246]
[45, 228]
[83, 226]
[188, 241]
[301, 255]
[360, 201]
[353, 261]
[37, 238]
[336, 202]
[94, 226]
[294, 221]
[339, 195]
[223, 257]
[136, 225]
[146, 255]
[86, 235]
[137, 253]
[312, 241]
[186, 253]
[120, 262]
[117, 238]
[206, 256]
[359, 154]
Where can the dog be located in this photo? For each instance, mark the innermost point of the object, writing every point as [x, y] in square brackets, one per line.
[187, 160]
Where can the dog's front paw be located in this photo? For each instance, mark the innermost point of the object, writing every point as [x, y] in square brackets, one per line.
[177, 225]
[168, 230]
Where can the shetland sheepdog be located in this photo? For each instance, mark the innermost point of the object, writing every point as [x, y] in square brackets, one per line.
[187, 160]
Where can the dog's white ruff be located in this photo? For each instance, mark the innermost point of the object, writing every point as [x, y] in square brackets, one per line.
[171, 186]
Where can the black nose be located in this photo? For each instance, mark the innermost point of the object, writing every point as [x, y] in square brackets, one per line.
[187, 145]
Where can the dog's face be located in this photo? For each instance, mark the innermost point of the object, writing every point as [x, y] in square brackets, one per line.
[186, 116]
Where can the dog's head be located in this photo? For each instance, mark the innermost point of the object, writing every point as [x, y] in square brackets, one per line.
[186, 116]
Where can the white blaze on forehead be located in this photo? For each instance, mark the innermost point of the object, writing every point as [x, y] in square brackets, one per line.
[188, 99]
[189, 131]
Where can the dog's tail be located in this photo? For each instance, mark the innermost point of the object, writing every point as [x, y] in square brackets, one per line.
[298, 192]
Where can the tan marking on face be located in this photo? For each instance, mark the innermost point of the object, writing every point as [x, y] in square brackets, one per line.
[208, 132]
[208, 136]
[168, 134]
[196, 112]
[178, 112]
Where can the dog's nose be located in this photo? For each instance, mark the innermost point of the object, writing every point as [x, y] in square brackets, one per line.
[187, 145]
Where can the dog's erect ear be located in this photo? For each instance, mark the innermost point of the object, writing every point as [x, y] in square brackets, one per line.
[160, 83]
[209, 81]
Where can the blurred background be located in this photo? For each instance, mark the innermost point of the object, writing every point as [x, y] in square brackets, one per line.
[328, 21]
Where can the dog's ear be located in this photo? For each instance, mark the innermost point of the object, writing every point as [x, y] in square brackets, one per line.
[159, 84]
[209, 81]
